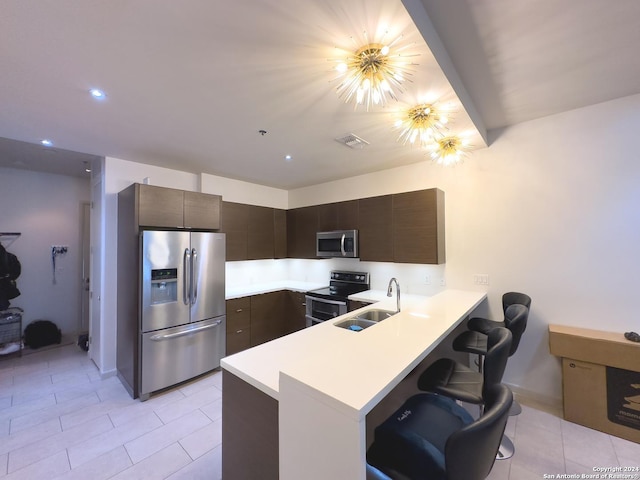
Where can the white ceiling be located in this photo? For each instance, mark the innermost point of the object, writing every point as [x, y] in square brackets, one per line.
[191, 83]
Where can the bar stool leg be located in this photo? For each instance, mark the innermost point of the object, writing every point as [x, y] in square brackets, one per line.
[516, 409]
[506, 450]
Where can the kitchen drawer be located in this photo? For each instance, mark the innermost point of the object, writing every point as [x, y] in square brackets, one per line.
[238, 314]
[238, 340]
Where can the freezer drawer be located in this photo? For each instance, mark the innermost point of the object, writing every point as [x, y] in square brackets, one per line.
[177, 354]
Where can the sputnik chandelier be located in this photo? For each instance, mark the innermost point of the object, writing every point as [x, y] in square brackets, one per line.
[449, 150]
[421, 123]
[373, 74]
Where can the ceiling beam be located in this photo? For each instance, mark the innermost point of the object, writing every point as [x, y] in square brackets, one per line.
[424, 25]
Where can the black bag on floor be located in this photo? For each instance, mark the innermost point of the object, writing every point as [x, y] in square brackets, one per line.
[41, 333]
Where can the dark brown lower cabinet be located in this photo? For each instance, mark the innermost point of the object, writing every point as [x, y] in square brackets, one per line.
[238, 324]
[295, 312]
[267, 321]
[355, 304]
[260, 318]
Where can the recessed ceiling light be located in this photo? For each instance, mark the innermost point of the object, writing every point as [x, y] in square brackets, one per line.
[47, 143]
[97, 93]
[288, 158]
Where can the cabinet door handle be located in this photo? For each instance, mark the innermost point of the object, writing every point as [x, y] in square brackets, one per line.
[238, 310]
[239, 331]
[304, 304]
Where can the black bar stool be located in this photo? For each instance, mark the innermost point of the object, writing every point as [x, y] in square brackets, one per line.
[455, 380]
[433, 437]
[515, 320]
[484, 325]
[474, 340]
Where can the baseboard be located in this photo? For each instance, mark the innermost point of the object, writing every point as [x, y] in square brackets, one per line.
[109, 374]
[537, 400]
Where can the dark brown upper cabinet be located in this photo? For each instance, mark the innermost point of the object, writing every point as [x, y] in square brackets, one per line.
[202, 210]
[418, 227]
[171, 208]
[280, 233]
[402, 228]
[338, 216]
[302, 225]
[375, 229]
[327, 217]
[347, 215]
[254, 232]
[235, 224]
[260, 242]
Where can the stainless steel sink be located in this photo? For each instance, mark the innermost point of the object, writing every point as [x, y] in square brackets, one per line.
[355, 324]
[365, 319]
[375, 315]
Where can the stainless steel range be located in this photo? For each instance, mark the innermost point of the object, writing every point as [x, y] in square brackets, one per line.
[330, 302]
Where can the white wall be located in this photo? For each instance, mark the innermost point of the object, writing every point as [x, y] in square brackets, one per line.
[244, 192]
[550, 209]
[46, 209]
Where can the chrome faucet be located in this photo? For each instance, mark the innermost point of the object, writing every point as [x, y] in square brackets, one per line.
[397, 292]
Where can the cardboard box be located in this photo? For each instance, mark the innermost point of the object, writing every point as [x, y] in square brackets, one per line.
[600, 379]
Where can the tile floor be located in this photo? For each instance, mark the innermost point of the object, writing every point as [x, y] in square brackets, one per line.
[59, 420]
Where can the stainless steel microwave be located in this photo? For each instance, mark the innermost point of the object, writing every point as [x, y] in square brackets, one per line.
[338, 243]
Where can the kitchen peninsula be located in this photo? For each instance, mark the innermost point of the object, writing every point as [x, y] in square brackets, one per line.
[296, 407]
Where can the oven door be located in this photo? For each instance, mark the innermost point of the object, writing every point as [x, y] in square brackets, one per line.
[321, 309]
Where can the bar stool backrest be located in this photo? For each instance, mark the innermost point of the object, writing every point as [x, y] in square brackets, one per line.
[495, 361]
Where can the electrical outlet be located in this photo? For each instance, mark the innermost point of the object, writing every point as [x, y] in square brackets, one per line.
[443, 282]
[427, 280]
[481, 279]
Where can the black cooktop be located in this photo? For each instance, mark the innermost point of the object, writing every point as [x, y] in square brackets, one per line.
[342, 285]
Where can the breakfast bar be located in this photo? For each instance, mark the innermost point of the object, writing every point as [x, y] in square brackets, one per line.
[296, 407]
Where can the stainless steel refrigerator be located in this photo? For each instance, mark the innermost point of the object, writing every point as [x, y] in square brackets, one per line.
[182, 307]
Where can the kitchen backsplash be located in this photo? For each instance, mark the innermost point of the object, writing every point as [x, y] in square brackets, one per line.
[415, 279]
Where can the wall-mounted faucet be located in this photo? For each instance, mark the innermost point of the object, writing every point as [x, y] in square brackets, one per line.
[397, 292]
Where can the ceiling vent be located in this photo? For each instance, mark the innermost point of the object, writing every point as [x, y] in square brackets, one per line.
[352, 141]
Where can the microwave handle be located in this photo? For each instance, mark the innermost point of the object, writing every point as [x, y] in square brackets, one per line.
[344, 254]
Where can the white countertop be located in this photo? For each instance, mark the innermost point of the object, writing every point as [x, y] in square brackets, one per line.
[355, 370]
[266, 287]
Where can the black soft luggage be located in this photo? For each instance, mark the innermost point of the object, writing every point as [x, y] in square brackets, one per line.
[41, 333]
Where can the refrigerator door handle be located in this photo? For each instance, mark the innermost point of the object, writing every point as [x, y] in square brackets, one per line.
[194, 276]
[186, 331]
[186, 274]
